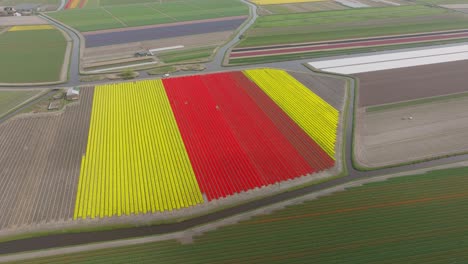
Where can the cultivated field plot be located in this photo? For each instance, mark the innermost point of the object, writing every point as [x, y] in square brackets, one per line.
[351, 23]
[107, 54]
[412, 219]
[300, 7]
[413, 132]
[29, 56]
[17, 2]
[111, 15]
[442, 2]
[11, 99]
[40, 160]
[394, 60]
[390, 86]
[71, 4]
[275, 2]
[332, 90]
[23, 20]
[149, 152]
[135, 160]
[106, 38]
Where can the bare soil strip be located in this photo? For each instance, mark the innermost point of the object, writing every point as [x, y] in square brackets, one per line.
[127, 50]
[40, 160]
[390, 86]
[411, 133]
[23, 20]
[114, 17]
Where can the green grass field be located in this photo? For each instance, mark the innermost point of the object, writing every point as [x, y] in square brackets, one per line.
[31, 56]
[98, 16]
[9, 100]
[412, 219]
[186, 56]
[352, 23]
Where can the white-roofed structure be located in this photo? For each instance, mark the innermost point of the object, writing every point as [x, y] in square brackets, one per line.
[394, 60]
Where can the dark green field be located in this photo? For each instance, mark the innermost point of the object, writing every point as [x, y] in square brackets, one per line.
[118, 15]
[413, 219]
[31, 56]
[351, 23]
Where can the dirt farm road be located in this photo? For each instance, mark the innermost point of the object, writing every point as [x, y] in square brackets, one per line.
[62, 240]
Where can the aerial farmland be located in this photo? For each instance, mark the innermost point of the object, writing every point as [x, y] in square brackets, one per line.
[179, 164]
[26, 47]
[320, 34]
[115, 31]
[233, 131]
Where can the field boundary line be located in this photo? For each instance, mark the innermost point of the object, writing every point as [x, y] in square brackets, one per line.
[67, 57]
[32, 98]
[415, 102]
[5, 30]
[194, 6]
[114, 17]
[160, 12]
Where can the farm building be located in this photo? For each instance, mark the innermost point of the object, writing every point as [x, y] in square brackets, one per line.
[28, 9]
[72, 94]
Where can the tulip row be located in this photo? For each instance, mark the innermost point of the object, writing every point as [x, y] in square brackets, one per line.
[135, 160]
[313, 114]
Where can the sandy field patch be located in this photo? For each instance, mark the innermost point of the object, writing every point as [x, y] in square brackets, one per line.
[412, 133]
[24, 20]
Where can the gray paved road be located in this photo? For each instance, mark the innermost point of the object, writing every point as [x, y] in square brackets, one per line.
[353, 174]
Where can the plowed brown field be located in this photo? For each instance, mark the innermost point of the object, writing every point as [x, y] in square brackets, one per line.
[403, 84]
[40, 160]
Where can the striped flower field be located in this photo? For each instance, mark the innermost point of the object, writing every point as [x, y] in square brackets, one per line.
[72, 4]
[30, 27]
[158, 146]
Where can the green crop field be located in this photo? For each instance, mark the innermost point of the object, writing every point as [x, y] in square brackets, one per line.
[9, 100]
[351, 23]
[412, 219]
[31, 56]
[117, 15]
[190, 55]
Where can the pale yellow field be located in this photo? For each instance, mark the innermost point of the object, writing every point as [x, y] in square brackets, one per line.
[277, 2]
[32, 27]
